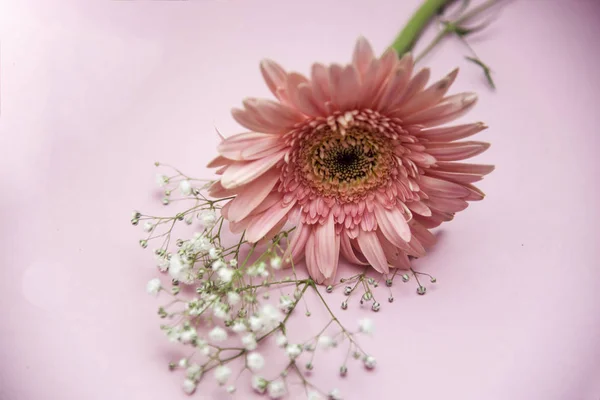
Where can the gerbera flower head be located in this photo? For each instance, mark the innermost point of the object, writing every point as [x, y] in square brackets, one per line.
[354, 157]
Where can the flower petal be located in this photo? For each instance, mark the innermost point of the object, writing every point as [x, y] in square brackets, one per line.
[311, 259]
[234, 146]
[243, 172]
[371, 247]
[419, 208]
[296, 248]
[328, 247]
[273, 75]
[261, 224]
[447, 110]
[457, 150]
[252, 194]
[218, 161]
[441, 188]
[452, 133]
[363, 55]
[428, 97]
[348, 251]
[393, 225]
[479, 169]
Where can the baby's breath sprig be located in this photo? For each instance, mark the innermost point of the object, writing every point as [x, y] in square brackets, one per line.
[229, 301]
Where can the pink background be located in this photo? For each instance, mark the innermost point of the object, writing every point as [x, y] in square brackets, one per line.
[94, 92]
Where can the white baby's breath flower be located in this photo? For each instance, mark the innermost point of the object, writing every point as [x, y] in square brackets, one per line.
[230, 389]
[285, 303]
[188, 335]
[312, 395]
[218, 264]
[193, 371]
[153, 286]
[183, 363]
[256, 323]
[325, 341]
[222, 374]
[208, 218]
[293, 350]
[225, 274]
[148, 226]
[180, 269]
[173, 333]
[370, 362]
[203, 347]
[276, 389]
[217, 334]
[189, 386]
[365, 325]
[281, 340]
[162, 180]
[259, 384]
[275, 262]
[233, 262]
[249, 341]
[185, 187]
[335, 394]
[214, 253]
[255, 361]
[233, 298]
[162, 263]
[220, 311]
[239, 327]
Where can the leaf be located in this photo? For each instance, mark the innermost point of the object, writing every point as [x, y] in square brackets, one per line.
[486, 70]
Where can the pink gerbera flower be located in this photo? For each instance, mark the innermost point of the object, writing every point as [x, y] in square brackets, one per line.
[354, 158]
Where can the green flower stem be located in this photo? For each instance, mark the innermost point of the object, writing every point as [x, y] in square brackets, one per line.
[406, 40]
[451, 27]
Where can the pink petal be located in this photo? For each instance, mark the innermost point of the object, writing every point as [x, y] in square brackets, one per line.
[274, 231]
[419, 208]
[263, 223]
[393, 225]
[275, 113]
[416, 84]
[479, 169]
[441, 188]
[457, 150]
[457, 177]
[251, 120]
[320, 83]
[252, 194]
[303, 99]
[452, 133]
[363, 55]
[427, 98]
[427, 238]
[328, 247]
[311, 259]
[371, 247]
[395, 87]
[218, 161]
[242, 172]
[346, 89]
[396, 257]
[348, 251]
[296, 247]
[446, 205]
[273, 75]
[447, 110]
[475, 194]
[234, 146]
[273, 198]
[217, 190]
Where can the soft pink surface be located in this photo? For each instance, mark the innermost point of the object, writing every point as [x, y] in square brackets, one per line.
[93, 93]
